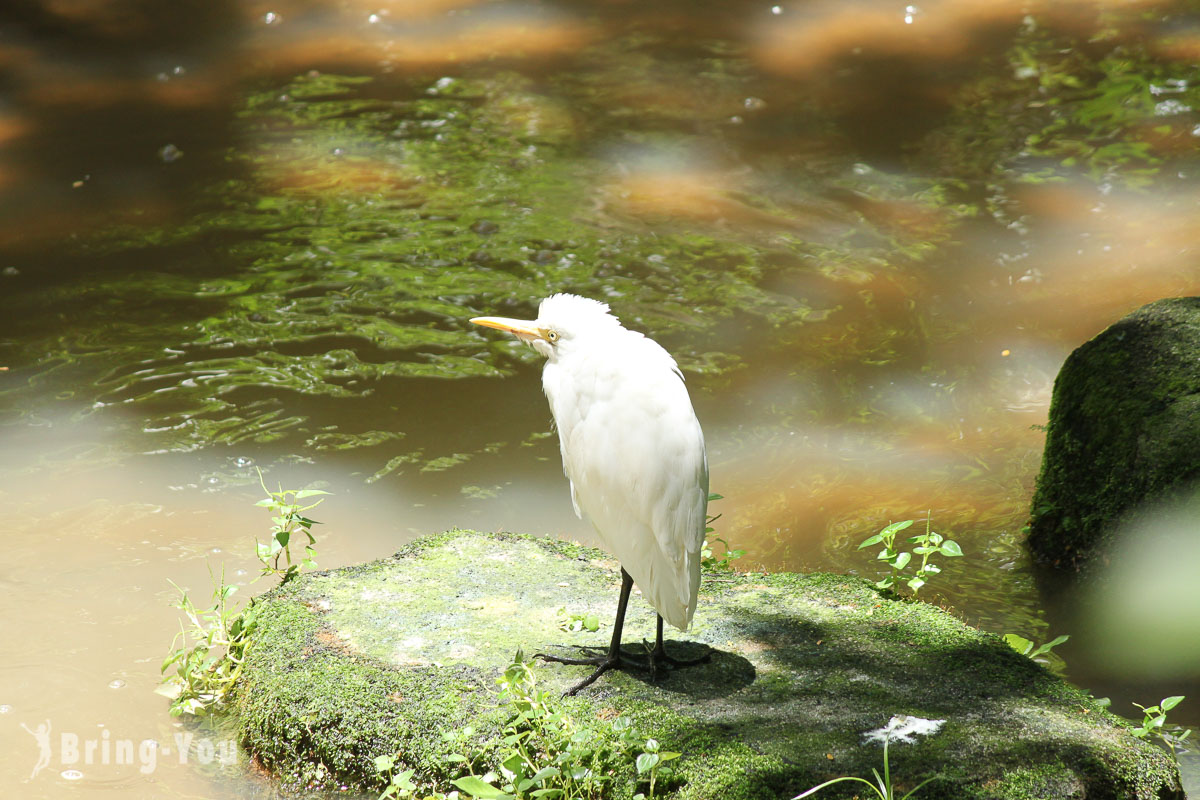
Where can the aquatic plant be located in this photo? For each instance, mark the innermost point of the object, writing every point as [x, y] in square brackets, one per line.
[209, 650]
[924, 544]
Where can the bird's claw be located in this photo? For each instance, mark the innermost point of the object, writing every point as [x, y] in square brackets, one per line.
[592, 661]
[602, 664]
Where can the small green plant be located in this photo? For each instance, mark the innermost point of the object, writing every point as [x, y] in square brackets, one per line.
[209, 650]
[882, 787]
[208, 654]
[399, 784]
[708, 559]
[1154, 722]
[925, 545]
[288, 516]
[650, 765]
[544, 752]
[574, 622]
[1041, 653]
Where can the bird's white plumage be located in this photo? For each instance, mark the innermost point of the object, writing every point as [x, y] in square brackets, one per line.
[631, 447]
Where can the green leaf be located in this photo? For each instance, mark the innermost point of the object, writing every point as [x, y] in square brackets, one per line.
[477, 788]
[1170, 702]
[1018, 643]
[646, 762]
[901, 561]
[1048, 646]
[916, 583]
[714, 496]
[171, 689]
[895, 527]
[951, 548]
[303, 493]
[384, 763]
[876, 539]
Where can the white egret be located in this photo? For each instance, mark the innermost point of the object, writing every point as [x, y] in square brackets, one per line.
[633, 451]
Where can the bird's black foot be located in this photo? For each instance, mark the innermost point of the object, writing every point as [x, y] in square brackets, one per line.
[602, 664]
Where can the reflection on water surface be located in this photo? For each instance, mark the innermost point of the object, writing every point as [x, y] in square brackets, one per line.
[239, 235]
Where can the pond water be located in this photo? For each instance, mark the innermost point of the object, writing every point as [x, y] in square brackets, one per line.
[240, 236]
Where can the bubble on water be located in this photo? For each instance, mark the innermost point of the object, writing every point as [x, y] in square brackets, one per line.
[71, 774]
[5, 708]
[242, 461]
[271, 18]
[371, 20]
[116, 683]
[169, 153]
[777, 10]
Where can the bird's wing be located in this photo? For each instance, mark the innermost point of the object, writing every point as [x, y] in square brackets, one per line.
[634, 453]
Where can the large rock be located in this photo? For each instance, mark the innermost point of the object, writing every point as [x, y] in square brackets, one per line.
[363, 661]
[1124, 431]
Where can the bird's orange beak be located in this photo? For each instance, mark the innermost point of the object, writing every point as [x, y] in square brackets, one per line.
[521, 328]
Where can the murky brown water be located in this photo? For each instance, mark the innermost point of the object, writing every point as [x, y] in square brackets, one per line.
[250, 235]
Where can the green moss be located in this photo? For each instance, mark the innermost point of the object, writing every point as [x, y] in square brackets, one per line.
[1123, 430]
[384, 657]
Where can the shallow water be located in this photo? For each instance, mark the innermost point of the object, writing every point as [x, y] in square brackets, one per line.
[240, 236]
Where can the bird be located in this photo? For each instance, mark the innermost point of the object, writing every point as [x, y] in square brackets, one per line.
[633, 453]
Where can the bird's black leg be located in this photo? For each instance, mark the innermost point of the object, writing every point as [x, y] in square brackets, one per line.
[659, 654]
[612, 660]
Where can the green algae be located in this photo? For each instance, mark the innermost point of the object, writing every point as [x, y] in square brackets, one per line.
[1123, 431]
[383, 657]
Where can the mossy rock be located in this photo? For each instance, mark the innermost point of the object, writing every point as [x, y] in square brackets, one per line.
[384, 657]
[1124, 431]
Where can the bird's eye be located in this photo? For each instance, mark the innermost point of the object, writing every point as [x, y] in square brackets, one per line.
[552, 336]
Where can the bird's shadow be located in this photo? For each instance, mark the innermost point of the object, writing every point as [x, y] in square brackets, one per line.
[722, 674]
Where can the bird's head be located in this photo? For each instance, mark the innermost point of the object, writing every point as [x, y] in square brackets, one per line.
[564, 322]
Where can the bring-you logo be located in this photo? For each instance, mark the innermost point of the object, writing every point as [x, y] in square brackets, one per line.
[71, 751]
